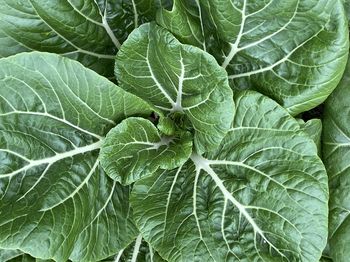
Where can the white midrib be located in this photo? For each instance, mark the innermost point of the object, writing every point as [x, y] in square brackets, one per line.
[104, 23]
[234, 47]
[204, 164]
[108, 28]
[178, 104]
[160, 87]
[136, 15]
[55, 158]
[164, 141]
[137, 246]
[119, 255]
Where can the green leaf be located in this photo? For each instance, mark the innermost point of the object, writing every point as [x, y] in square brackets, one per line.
[138, 251]
[347, 7]
[185, 20]
[56, 201]
[177, 79]
[134, 149]
[336, 152]
[10, 255]
[87, 30]
[313, 128]
[261, 196]
[292, 51]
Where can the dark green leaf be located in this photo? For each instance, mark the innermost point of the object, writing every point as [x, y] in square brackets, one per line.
[56, 201]
[292, 51]
[89, 31]
[336, 153]
[261, 196]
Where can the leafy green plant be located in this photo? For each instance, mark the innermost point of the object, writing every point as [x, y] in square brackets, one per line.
[152, 130]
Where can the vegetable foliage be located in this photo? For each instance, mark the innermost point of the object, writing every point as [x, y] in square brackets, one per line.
[150, 130]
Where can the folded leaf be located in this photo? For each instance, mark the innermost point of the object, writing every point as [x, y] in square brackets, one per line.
[177, 79]
[261, 196]
[336, 154]
[135, 149]
[292, 51]
[87, 30]
[56, 201]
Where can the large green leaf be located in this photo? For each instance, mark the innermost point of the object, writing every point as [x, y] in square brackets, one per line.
[134, 149]
[261, 196]
[336, 155]
[56, 201]
[90, 31]
[293, 51]
[177, 79]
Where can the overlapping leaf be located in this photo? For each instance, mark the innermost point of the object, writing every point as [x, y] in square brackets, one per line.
[261, 196]
[56, 201]
[135, 149]
[178, 79]
[313, 128]
[336, 155]
[87, 30]
[293, 51]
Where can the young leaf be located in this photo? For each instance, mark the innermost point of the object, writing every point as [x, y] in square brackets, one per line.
[262, 195]
[177, 78]
[134, 149]
[336, 153]
[292, 51]
[89, 31]
[56, 201]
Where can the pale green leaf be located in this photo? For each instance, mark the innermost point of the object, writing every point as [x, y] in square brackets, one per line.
[135, 149]
[261, 196]
[177, 79]
[56, 201]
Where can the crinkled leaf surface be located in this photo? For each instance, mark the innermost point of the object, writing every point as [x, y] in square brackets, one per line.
[336, 155]
[89, 31]
[261, 196]
[293, 51]
[177, 78]
[56, 201]
[134, 149]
